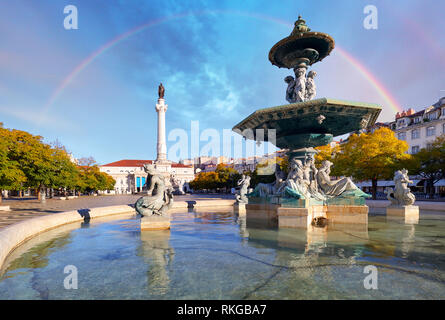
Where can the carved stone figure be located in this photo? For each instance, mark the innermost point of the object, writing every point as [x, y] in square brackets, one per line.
[161, 91]
[333, 188]
[305, 181]
[159, 194]
[297, 181]
[290, 91]
[300, 26]
[311, 89]
[177, 184]
[311, 172]
[300, 84]
[280, 180]
[244, 182]
[402, 195]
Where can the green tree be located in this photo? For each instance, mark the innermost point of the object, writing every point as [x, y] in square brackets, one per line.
[265, 171]
[429, 163]
[65, 172]
[91, 179]
[34, 158]
[205, 180]
[227, 176]
[11, 176]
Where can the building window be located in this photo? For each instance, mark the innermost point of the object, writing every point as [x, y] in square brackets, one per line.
[415, 134]
[417, 120]
[415, 149]
[402, 136]
[443, 128]
[429, 146]
[430, 131]
[432, 116]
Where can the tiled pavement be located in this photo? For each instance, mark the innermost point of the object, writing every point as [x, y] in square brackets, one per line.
[27, 208]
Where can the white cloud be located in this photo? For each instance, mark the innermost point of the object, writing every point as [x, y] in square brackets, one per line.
[37, 118]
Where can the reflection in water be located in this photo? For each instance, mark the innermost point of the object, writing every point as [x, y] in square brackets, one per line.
[241, 220]
[158, 255]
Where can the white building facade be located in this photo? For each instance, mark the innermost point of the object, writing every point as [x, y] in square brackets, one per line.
[420, 129]
[131, 178]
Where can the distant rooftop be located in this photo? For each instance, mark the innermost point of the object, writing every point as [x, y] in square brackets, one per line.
[140, 163]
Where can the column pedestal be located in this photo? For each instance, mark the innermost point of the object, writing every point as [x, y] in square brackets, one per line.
[155, 222]
[407, 214]
[239, 208]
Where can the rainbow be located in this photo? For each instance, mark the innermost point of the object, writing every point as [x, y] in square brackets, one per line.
[369, 77]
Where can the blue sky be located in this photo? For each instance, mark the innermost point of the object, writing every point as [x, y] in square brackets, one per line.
[211, 57]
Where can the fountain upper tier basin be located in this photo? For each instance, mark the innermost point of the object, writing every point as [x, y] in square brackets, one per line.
[310, 123]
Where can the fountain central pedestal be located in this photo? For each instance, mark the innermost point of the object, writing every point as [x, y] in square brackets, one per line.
[299, 127]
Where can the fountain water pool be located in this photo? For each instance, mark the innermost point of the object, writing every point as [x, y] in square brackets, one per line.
[215, 254]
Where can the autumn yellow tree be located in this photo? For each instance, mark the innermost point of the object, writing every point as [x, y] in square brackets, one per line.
[371, 156]
[327, 152]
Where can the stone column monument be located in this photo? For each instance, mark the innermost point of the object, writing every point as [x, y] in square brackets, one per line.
[161, 108]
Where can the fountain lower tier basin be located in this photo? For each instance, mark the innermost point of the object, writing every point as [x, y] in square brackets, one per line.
[308, 124]
[291, 217]
[212, 253]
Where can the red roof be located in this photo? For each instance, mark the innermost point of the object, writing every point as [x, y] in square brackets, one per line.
[180, 165]
[140, 163]
[128, 163]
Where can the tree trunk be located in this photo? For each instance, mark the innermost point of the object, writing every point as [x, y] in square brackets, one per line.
[42, 193]
[431, 187]
[38, 194]
[374, 188]
[1, 194]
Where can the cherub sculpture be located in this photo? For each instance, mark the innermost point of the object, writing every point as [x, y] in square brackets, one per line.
[290, 91]
[296, 87]
[311, 89]
[300, 84]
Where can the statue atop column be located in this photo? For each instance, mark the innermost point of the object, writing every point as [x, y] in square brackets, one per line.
[161, 91]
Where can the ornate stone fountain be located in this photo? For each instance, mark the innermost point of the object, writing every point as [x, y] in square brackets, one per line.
[300, 126]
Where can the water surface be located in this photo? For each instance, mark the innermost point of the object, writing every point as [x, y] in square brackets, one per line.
[217, 255]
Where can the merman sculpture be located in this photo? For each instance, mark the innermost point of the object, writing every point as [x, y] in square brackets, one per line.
[160, 196]
[402, 195]
[244, 182]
